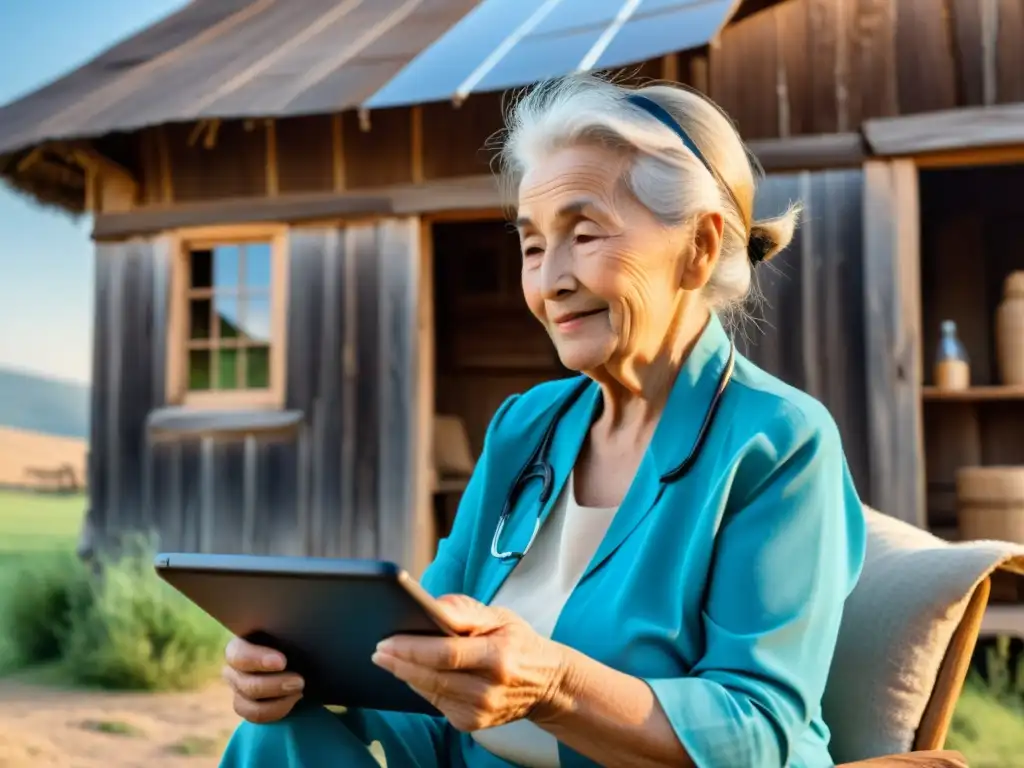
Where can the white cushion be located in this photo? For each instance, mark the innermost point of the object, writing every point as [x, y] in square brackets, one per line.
[896, 627]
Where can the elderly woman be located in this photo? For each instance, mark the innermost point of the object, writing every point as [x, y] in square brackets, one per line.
[672, 597]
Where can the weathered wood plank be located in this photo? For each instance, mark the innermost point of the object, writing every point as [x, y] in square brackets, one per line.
[823, 31]
[968, 50]
[811, 316]
[872, 85]
[99, 459]
[926, 73]
[399, 244]
[1009, 51]
[364, 245]
[892, 298]
[948, 130]
[795, 110]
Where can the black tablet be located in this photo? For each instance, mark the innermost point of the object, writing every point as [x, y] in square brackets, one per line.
[325, 615]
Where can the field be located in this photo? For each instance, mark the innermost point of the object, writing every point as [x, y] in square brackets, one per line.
[21, 450]
[44, 721]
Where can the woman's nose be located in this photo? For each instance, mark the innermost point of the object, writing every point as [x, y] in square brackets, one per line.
[556, 275]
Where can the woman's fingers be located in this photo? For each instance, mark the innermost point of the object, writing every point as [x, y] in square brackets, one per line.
[264, 692]
[264, 711]
[265, 685]
[433, 684]
[247, 657]
[446, 653]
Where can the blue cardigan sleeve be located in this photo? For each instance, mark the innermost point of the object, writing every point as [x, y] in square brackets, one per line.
[786, 558]
[446, 574]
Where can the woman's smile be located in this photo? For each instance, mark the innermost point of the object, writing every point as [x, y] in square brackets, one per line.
[569, 322]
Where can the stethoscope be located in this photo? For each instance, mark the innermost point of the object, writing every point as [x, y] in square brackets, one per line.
[539, 467]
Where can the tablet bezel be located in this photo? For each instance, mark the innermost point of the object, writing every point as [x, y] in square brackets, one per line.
[170, 564]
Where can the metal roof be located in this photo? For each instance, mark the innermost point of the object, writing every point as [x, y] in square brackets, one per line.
[276, 58]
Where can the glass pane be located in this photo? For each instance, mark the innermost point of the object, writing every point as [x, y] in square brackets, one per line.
[201, 263]
[227, 316]
[225, 266]
[256, 318]
[227, 369]
[257, 367]
[257, 265]
[199, 319]
[198, 369]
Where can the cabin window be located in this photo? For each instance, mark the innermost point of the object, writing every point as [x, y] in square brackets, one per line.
[230, 321]
[229, 317]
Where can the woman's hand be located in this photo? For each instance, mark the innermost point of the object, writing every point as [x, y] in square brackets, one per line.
[264, 692]
[498, 671]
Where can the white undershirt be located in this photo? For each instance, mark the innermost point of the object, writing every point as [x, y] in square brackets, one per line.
[537, 590]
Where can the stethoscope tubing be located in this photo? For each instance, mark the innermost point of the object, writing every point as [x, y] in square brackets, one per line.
[538, 466]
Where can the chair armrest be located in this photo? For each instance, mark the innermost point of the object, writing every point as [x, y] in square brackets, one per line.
[928, 759]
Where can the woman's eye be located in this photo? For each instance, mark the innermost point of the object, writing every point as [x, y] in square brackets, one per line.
[533, 250]
[582, 238]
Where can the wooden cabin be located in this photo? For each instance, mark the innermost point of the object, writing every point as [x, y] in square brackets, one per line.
[304, 274]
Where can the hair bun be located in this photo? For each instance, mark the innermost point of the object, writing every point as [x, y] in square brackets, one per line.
[770, 236]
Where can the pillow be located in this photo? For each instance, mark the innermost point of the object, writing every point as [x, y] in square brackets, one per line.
[896, 628]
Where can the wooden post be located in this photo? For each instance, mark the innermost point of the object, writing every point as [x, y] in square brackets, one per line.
[271, 173]
[424, 529]
[670, 67]
[338, 152]
[416, 133]
[164, 156]
[892, 302]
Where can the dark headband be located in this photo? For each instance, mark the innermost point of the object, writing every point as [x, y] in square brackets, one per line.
[757, 247]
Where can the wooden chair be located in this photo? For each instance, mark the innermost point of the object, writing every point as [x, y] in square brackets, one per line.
[904, 649]
[938, 715]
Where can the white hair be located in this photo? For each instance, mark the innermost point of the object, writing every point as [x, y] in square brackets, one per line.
[665, 176]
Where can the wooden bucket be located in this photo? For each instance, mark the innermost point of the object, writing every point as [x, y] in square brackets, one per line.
[990, 503]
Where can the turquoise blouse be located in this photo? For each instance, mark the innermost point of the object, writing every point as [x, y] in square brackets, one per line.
[724, 589]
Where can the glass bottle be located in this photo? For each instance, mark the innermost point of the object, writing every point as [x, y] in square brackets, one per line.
[952, 367]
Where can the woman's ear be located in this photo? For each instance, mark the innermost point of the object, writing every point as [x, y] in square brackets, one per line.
[707, 246]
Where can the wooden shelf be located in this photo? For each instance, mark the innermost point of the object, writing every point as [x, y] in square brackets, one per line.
[974, 394]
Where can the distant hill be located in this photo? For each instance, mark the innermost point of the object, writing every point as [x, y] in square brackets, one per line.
[48, 406]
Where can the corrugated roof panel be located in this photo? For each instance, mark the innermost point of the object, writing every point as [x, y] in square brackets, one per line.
[437, 73]
[660, 26]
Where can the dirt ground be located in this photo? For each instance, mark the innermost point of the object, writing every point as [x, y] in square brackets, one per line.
[54, 728]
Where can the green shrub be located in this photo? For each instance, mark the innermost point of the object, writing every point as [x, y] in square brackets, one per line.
[116, 625]
[37, 607]
[136, 632]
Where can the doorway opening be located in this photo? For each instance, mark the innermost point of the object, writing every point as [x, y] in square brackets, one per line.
[487, 346]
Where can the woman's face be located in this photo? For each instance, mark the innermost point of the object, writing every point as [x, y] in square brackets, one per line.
[605, 277]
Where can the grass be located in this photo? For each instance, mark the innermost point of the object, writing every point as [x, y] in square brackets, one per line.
[35, 531]
[121, 628]
[987, 729]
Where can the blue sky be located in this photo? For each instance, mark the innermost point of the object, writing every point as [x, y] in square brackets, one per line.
[46, 259]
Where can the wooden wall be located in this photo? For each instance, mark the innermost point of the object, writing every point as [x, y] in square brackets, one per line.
[809, 328]
[340, 481]
[824, 66]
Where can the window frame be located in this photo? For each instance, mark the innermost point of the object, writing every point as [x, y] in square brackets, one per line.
[182, 243]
